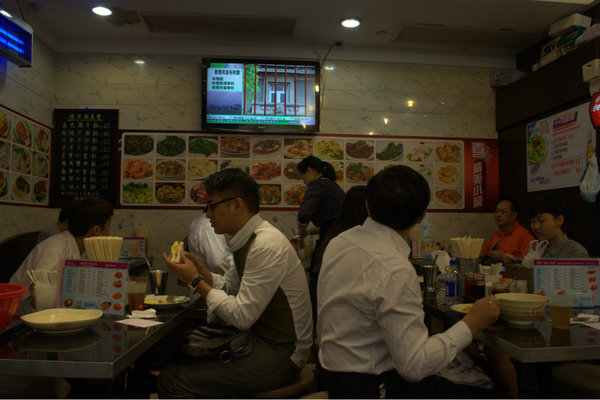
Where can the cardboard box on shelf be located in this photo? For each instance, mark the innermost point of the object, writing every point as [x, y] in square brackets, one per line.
[575, 20]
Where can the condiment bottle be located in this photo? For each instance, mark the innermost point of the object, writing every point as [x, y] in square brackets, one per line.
[453, 292]
[468, 284]
[478, 286]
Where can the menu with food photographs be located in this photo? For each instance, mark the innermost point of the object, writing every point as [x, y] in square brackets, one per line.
[84, 146]
[169, 169]
[577, 277]
[94, 285]
[24, 159]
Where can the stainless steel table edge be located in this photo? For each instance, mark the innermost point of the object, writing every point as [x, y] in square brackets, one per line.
[88, 369]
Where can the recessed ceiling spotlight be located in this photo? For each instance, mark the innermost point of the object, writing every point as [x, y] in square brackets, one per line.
[350, 22]
[410, 103]
[386, 121]
[6, 14]
[103, 11]
[140, 62]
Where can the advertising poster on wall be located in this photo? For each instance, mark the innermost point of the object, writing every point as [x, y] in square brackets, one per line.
[556, 149]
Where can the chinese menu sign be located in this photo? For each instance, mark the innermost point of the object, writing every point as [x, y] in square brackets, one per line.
[93, 285]
[577, 277]
[84, 148]
[556, 149]
[168, 169]
[24, 159]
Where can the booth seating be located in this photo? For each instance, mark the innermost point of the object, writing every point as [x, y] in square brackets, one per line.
[576, 380]
[306, 377]
[13, 251]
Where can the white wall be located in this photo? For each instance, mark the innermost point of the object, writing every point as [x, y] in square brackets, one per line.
[164, 93]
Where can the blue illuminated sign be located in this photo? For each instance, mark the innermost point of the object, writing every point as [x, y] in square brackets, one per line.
[15, 41]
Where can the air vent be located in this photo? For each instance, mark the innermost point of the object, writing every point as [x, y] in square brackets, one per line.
[464, 38]
[219, 24]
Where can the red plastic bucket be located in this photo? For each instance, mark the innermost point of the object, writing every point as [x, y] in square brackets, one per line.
[10, 298]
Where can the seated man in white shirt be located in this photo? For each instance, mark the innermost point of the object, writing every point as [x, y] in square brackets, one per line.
[272, 300]
[209, 248]
[87, 218]
[371, 320]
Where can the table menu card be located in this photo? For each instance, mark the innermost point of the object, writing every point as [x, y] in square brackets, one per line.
[93, 285]
[578, 277]
[84, 143]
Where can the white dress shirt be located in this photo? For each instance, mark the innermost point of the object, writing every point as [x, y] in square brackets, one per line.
[209, 248]
[271, 264]
[47, 255]
[370, 309]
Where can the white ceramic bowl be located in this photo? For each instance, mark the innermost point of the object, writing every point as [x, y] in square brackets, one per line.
[61, 320]
[521, 309]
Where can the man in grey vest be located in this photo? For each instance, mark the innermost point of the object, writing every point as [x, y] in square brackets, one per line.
[272, 300]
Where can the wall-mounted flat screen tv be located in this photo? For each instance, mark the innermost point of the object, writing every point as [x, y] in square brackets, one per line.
[260, 95]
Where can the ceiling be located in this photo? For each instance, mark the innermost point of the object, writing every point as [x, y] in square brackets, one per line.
[304, 28]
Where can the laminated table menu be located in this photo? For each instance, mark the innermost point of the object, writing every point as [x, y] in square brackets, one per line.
[577, 277]
[93, 285]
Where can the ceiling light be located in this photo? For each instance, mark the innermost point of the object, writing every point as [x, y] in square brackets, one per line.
[101, 11]
[6, 14]
[329, 67]
[317, 88]
[140, 62]
[371, 133]
[410, 103]
[385, 121]
[350, 22]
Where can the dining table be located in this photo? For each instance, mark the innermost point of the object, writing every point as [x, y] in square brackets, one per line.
[101, 351]
[538, 348]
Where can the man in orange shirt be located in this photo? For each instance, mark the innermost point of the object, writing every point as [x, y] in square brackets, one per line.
[510, 239]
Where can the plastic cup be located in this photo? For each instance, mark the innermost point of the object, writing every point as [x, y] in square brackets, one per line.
[560, 311]
[158, 281]
[136, 293]
[45, 297]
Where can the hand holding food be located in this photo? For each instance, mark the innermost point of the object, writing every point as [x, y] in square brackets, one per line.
[176, 249]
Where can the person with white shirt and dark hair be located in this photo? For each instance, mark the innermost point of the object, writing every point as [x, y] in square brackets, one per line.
[371, 321]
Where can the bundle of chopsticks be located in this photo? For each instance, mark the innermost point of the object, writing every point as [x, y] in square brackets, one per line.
[103, 248]
[41, 277]
[466, 247]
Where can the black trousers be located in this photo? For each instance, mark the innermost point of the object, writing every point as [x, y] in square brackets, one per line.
[349, 385]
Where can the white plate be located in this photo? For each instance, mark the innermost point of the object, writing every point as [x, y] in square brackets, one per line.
[61, 320]
[161, 301]
[461, 308]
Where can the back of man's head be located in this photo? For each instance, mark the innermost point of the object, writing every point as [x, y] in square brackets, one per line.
[87, 213]
[233, 182]
[397, 197]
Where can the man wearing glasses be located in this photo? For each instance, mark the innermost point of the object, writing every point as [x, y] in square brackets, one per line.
[272, 300]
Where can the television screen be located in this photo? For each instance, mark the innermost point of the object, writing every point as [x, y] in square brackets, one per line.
[260, 95]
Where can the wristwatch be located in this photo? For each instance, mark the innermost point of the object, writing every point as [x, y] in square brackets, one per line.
[194, 284]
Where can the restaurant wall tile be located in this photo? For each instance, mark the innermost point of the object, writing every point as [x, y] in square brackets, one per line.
[165, 93]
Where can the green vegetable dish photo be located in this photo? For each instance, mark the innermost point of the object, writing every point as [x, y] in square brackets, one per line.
[536, 149]
[170, 146]
[393, 151]
[204, 146]
[137, 193]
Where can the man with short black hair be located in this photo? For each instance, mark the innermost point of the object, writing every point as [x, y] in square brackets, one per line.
[272, 300]
[87, 218]
[548, 217]
[371, 320]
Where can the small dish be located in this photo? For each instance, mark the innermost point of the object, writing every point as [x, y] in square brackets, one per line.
[165, 301]
[462, 308]
[61, 320]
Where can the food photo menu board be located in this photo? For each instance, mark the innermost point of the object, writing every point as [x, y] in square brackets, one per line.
[168, 169]
[24, 159]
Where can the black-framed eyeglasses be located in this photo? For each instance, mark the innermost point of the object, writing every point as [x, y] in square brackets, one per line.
[211, 205]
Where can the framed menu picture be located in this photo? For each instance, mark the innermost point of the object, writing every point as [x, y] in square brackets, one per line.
[85, 145]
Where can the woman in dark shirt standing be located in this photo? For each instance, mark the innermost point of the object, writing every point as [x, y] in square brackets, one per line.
[321, 205]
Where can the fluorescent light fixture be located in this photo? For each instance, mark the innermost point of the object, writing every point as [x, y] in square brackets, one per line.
[103, 11]
[317, 88]
[6, 13]
[350, 22]
[140, 62]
